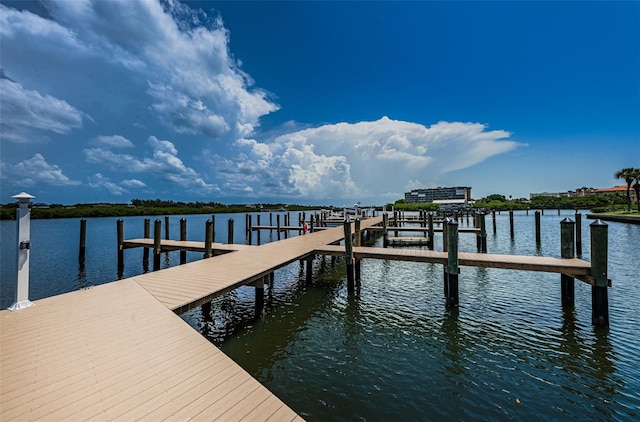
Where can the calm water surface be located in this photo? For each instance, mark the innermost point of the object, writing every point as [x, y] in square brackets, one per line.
[393, 351]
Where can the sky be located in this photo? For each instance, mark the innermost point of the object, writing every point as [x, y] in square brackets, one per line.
[321, 103]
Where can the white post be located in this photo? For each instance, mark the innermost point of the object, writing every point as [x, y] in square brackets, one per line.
[23, 216]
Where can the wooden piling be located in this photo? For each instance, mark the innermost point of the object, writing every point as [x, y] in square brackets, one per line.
[511, 230]
[430, 221]
[259, 285]
[183, 238]
[157, 234]
[578, 234]
[483, 233]
[445, 247]
[145, 251]
[208, 239]
[309, 275]
[385, 236]
[599, 258]
[249, 231]
[120, 231]
[349, 257]
[258, 223]
[230, 231]
[82, 247]
[567, 289]
[538, 234]
[493, 215]
[278, 224]
[166, 227]
[452, 264]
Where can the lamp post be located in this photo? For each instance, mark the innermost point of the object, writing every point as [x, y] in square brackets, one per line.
[23, 217]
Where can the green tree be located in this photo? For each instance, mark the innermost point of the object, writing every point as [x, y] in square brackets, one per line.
[495, 197]
[627, 174]
[636, 185]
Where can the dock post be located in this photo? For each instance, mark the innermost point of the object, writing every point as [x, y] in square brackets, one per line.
[259, 284]
[430, 230]
[82, 248]
[445, 247]
[23, 238]
[599, 294]
[249, 231]
[208, 239]
[166, 227]
[230, 231]
[396, 222]
[578, 234]
[183, 238]
[309, 275]
[358, 242]
[120, 230]
[157, 246]
[483, 233]
[258, 223]
[567, 283]
[270, 220]
[348, 255]
[385, 238]
[145, 251]
[538, 237]
[493, 215]
[511, 231]
[278, 224]
[476, 225]
[452, 264]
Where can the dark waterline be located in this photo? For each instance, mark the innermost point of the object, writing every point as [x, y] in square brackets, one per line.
[393, 351]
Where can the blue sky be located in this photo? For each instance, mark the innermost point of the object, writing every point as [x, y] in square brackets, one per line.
[314, 102]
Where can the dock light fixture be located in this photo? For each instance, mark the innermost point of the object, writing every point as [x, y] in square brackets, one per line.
[23, 217]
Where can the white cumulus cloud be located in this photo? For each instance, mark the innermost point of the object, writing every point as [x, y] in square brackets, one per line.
[163, 165]
[100, 181]
[113, 141]
[36, 171]
[27, 115]
[365, 159]
[195, 84]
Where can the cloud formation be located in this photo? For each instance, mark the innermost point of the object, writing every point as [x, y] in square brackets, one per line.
[360, 159]
[36, 171]
[28, 116]
[164, 165]
[195, 84]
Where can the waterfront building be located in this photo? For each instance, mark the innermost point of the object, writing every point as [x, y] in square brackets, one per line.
[456, 193]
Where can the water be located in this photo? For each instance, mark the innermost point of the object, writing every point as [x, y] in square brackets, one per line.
[393, 351]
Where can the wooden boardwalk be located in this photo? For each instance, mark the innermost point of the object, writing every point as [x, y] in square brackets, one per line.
[167, 245]
[114, 353]
[574, 267]
[188, 286]
[118, 351]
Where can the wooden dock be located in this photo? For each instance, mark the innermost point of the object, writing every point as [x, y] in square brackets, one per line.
[113, 352]
[119, 351]
[167, 245]
[574, 267]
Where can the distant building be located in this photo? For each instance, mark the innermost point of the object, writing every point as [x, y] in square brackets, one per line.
[567, 194]
[616, 189]
[457, 194]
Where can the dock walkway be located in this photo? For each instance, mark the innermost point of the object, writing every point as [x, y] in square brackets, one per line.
[574, 267]
[118, 351]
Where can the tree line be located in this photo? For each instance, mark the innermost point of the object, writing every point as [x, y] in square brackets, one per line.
[142, 207]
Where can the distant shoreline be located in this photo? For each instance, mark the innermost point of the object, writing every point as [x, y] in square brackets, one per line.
[616, 218]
